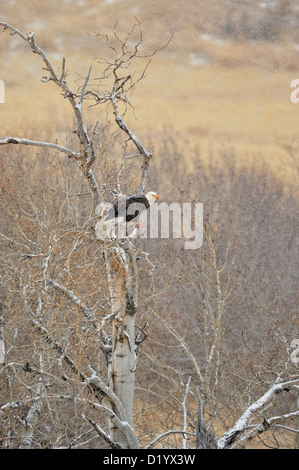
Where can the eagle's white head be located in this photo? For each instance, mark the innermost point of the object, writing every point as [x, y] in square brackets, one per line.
[151, 197]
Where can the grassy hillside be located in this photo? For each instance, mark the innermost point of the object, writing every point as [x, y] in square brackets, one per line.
[222, 81]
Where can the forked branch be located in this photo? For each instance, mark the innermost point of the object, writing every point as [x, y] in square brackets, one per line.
[87, 153]
[124, 83]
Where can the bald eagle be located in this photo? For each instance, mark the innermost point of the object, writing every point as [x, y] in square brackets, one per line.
[131, 207]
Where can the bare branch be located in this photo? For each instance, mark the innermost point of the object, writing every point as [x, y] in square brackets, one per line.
[184, 403]
[158, 49]
[182, 342]
[141, 149]
[124, 159]
[230, 436]
[120, 90]
[92, 386]
[87, 154]
[265, 425]
[164, 434]
[34, 143]
[84, 87]
[72, 296]
[103, 434]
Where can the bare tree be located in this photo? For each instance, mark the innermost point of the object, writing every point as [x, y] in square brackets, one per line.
[119, 255]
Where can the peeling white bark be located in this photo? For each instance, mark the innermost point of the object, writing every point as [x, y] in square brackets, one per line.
[123, 293]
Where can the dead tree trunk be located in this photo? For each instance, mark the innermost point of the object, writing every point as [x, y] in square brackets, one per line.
[205, 439]
[123, 288]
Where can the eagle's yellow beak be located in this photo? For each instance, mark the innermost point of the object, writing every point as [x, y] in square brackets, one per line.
[157, 197]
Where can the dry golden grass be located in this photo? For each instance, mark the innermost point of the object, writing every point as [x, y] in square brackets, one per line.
[211, 107]
[213, 94]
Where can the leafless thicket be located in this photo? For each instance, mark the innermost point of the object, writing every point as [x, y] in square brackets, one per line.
[208, 332]
[237, 294]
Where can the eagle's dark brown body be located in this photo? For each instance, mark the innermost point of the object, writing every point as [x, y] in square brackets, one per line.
[130, 208]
